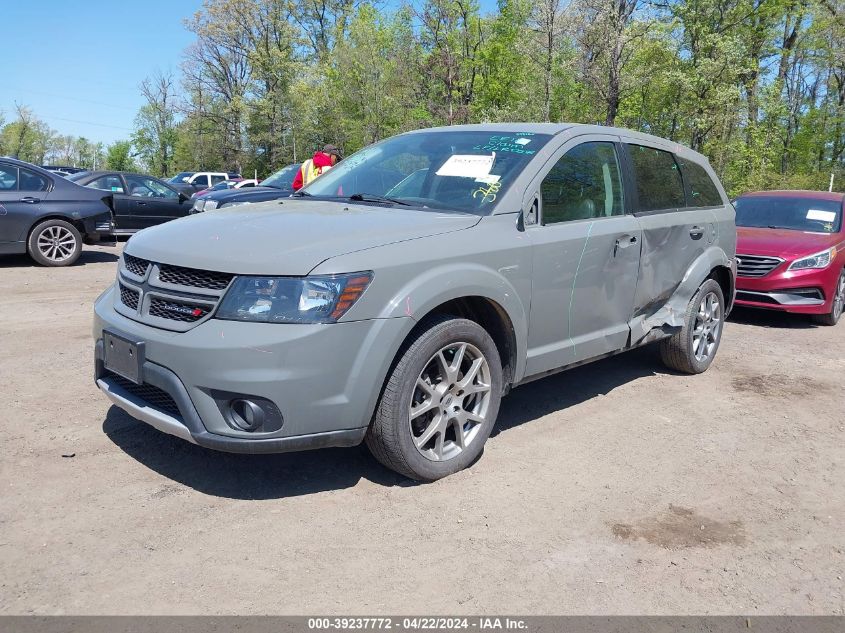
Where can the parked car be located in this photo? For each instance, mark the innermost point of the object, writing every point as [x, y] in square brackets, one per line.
[197, 181]
[490, 255]
[238, 183]
[48, 216]
[278, 185]
[791, 253]
[140, 200]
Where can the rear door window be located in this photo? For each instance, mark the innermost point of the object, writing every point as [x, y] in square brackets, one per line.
[658, 179]
[583, 184]
[30, 181]
[110, 182]
[701, 191]
[217, 179]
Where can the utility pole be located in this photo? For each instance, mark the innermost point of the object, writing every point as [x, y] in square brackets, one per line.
[830, 186]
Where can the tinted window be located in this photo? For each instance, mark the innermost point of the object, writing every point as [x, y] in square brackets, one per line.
[107, 183]
[659, 182]
[282, 179]
[217, 179]
[8, 178]
[200, 181]
[148, 188]
[30, 181]
[782, 212]
[583, 184]
[701, 192]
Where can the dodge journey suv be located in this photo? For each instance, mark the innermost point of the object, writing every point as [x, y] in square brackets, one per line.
[399, 296]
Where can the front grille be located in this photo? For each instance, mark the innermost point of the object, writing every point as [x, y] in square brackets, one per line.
[151, 395]
[193, 278]
[135, 265]
[129, 297]
[756, 265]
[177, 310]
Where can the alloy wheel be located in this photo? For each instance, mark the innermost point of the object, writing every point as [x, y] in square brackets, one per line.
[450, 402]
[56, 243]
[839, 298]
[708, 327]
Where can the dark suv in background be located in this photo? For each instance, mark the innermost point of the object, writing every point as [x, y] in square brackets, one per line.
[47, 216]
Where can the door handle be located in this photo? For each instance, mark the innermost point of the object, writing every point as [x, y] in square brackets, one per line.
[31, 200]
[141, 204]
[623, 242]
[696, 232]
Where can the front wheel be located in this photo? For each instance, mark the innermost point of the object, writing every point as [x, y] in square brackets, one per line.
[440, 401]
[693, 349]
[55, 243]
[832, 317]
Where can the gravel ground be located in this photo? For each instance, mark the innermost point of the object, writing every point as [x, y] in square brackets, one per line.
[614, 488]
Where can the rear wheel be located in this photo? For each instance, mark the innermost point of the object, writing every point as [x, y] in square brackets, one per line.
[693, 349]
[440, 401]
[55, 243]
[832, 317]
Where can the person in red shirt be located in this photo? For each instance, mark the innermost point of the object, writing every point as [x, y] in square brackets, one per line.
[313, 167]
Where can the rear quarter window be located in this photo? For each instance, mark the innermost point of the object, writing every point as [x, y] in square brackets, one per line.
[658, 179]
[701, 191]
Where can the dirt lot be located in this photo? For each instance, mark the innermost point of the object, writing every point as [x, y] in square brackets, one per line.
[613, 488]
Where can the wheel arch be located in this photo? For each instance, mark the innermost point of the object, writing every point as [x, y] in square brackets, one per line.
[77, 223]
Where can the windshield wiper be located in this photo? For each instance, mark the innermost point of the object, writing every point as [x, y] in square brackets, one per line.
[371, 197]
[300, 194]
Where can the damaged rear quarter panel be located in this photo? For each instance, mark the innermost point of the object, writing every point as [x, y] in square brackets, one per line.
[673, 265]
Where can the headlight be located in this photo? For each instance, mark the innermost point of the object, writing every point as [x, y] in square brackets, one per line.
[819, 260]
[315, 299]
[199, 205]
[210, 204]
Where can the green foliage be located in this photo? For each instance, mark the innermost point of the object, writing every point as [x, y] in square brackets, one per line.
[758, 86]
[119, 156]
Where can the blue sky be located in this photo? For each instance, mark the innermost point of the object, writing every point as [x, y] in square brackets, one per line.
[78, 64]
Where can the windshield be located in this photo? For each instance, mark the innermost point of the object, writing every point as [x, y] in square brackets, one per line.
[282, 179]
[457, 170]
[798, 214]
[182, 176]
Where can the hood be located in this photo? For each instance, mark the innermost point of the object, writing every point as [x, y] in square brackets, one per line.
[260, 193]
[782, 242]
[290, 237]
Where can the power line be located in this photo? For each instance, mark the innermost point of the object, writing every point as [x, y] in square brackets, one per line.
[58, 118]
[58, 96]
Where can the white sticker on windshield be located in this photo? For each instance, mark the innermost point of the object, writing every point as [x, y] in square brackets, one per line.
[467, 166]
[822, 216]
[489, 179]
[522, 141]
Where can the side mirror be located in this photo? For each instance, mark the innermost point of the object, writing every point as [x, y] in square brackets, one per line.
[182, 197]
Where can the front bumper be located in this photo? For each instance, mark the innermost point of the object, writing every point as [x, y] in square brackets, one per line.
[797, 291]
[324, 379]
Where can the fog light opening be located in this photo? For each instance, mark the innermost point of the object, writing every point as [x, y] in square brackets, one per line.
[246, 415]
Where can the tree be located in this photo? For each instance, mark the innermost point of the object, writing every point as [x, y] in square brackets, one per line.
[155, 124]
[119, 156]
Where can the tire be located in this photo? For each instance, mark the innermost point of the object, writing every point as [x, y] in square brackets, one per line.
[693, 349]
[54, 243]
[832, 317]
[451, 395]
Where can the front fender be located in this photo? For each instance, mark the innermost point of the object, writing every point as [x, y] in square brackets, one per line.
[419, 295]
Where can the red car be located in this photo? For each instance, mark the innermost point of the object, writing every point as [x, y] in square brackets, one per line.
[791, 252]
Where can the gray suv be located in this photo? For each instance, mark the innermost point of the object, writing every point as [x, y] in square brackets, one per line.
[400, 295]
